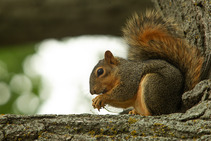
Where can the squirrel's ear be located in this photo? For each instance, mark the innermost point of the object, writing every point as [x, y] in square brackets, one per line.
[110, 59]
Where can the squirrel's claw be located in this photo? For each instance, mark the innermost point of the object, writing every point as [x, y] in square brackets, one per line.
[133, 112]
[98, 102]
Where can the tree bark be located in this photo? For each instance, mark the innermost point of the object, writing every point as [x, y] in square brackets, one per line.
[195, 123]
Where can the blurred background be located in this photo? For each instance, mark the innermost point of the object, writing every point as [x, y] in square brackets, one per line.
[49, 47]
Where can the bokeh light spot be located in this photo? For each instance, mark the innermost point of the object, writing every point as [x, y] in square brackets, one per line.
[20, 84]
[27, 103]
[4, 93]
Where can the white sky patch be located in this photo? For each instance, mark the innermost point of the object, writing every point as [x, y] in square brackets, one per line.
[65, 67]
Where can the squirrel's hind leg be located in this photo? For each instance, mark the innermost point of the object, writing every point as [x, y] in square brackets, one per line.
[161, 93]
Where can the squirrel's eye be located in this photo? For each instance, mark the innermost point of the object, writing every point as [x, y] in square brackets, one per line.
[100, 72]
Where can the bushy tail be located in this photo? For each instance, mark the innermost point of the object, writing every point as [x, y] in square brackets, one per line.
[150, 36]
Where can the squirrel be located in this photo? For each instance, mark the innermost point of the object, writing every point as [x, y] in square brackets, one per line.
[160, 67]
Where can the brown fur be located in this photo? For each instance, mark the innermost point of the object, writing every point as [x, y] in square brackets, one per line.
[154, 37]
[139, 105]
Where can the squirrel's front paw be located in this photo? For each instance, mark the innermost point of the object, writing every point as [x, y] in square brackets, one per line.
[133, 112]
[98, 102]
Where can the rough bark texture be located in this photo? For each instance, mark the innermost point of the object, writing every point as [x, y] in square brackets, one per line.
[194, 124]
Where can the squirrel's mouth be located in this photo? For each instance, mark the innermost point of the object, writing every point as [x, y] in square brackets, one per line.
[99, 93]
[103, 92]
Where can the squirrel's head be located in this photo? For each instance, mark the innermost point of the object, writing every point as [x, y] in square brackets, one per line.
[104, 75]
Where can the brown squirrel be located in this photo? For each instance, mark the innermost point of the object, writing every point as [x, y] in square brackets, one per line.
[161, 66]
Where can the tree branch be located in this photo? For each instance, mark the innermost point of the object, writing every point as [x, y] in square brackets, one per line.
[194, 124]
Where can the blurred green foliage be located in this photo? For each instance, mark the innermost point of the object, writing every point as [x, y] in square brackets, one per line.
[14, 55]
[11, 65]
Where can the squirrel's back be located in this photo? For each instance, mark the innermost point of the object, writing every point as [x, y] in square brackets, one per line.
[150, 36]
